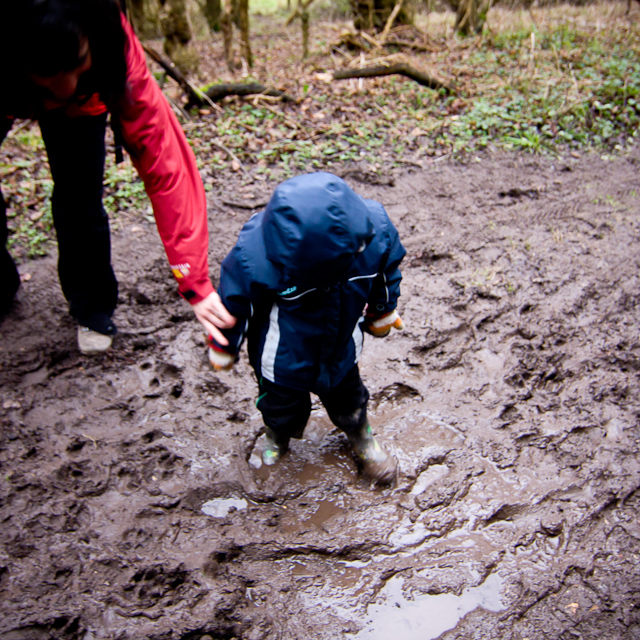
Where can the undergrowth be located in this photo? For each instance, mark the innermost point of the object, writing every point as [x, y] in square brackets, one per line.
[553, 80]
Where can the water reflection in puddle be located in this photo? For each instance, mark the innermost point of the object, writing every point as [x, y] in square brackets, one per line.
[321, 513]
[424, 617]
[220, 507]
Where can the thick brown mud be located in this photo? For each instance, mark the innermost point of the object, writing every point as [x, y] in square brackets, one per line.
[133, 504]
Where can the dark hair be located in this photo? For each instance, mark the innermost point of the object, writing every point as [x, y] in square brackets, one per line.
[44, 37]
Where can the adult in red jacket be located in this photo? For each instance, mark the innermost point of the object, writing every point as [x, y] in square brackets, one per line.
[71, 62]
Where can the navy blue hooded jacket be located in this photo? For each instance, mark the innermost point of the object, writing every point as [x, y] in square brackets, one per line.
[300, 277]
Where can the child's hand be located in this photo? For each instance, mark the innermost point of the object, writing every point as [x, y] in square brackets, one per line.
[380, 326]
[220, 360]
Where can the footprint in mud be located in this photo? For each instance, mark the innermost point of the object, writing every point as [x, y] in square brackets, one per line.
[146, 465]
[158, 379]
[83, 477]
[136, 538]
[156, 584]
[59, 517]
[395, 393]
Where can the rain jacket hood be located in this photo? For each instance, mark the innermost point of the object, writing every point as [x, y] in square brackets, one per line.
[314, 226]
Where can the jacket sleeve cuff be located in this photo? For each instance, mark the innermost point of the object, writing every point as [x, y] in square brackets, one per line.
[215, 346]
[196, 293]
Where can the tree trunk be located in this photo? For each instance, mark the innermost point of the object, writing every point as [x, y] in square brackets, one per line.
[136, 13]
[304, 19]
[372, 15]
[245, 44]
[226, 24]
[143, 15]
[370, 12]
[212, 11]
[471, 16]
[177, 33]
[235, 12]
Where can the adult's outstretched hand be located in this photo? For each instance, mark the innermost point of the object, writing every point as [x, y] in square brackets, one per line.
[213, 315]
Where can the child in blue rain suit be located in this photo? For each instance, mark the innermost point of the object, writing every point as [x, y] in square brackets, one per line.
[307, 277]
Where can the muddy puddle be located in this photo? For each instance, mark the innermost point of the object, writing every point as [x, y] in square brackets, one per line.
[134, 504]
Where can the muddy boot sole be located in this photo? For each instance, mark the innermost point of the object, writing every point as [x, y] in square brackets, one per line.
[381, 473]
[374, 462]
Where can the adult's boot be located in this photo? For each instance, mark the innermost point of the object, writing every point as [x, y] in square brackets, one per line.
[376, 463]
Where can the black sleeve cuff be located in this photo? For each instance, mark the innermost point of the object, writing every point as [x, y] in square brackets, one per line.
[188, 295]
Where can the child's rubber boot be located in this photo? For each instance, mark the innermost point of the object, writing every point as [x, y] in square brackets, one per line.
[376, 463]
[274, 447]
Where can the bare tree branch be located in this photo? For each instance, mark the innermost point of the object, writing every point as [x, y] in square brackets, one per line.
[390, 21]
[400, 68]
[218, 91]
[196, 97]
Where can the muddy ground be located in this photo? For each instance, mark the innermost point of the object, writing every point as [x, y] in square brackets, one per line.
[133, 505]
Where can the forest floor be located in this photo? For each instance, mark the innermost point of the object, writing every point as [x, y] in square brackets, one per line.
[133, 503]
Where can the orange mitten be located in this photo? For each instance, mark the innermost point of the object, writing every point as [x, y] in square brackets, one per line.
[220, 360]
[380, 326]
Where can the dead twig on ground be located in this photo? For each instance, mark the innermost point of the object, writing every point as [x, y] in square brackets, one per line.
[245, 205]
[178, 109]
[232, 155]
[15, 130]
[371, 40]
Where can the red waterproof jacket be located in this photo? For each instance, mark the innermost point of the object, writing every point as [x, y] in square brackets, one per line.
[167, 165]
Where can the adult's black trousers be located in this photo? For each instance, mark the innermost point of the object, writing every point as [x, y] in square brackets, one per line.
[76, 152]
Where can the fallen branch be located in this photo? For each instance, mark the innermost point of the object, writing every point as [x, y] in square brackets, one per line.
[352, 40]
[215, 93]
[401, 36]
[196, 97]
[401, 69]
[219, 91]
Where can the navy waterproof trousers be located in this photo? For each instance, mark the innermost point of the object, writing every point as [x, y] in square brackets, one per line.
[286, 411]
